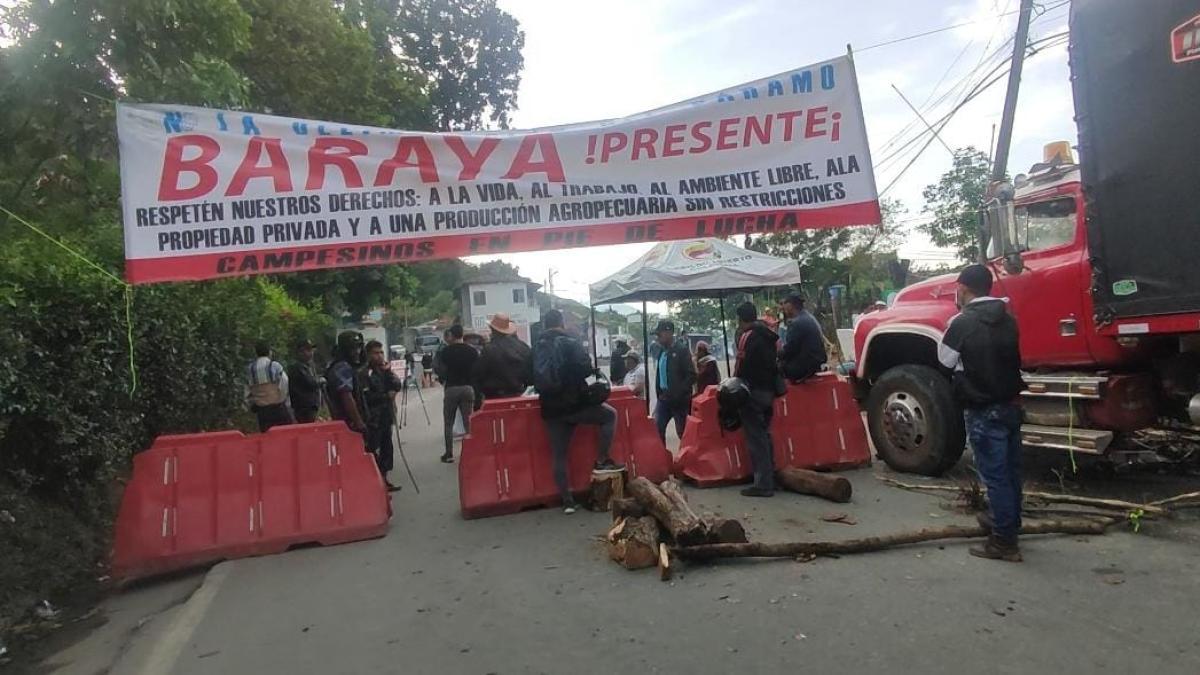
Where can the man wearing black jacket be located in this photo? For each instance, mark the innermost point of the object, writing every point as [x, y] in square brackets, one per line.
[561, 369]
[304, 385]
[757, 368]
[803, 351]
[981, 348]
[674, 380]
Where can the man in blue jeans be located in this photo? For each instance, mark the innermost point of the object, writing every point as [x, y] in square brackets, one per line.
[674, 380]
[981, 347]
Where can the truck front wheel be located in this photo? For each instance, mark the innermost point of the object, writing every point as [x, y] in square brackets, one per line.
[914, 422]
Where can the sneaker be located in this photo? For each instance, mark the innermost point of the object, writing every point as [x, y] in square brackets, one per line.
[391, 487]
[447, 459]
[994, 549]
[568, 509]
[608, 466]
[757, 492]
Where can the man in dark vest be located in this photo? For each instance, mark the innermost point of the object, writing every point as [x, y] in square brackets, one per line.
[343, 387]
[981, 349]
[304, 384]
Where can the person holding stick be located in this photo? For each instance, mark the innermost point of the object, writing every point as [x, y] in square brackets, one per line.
[380, 387]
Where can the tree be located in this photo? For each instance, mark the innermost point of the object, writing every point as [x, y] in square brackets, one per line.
[306, 60]
[697, 315]
[856, 257]
[468, 50]
[955, 202]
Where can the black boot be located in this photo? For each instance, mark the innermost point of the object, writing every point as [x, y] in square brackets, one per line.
[985, 521]
[997, 549]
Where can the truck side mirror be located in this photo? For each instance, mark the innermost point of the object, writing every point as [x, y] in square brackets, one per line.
[1014, 263]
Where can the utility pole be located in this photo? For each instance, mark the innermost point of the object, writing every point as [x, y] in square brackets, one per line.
[1020, 41]
[550, 287]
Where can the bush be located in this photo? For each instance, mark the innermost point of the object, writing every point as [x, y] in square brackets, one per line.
[68, 423]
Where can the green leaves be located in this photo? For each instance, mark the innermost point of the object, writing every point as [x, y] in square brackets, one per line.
[955, 202]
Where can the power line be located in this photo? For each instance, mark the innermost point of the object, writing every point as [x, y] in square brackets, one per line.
[979, 88]
[996, 57]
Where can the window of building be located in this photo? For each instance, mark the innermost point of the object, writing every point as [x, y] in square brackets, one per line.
[518, 296]
[479, 298]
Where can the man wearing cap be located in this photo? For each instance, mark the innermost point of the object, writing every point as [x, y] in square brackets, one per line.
[803, 352]
[981, 349]
[343, 387]
[505, 366]
[674, 380]
[305, 384]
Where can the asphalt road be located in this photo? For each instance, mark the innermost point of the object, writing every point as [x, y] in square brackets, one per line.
[535, 593]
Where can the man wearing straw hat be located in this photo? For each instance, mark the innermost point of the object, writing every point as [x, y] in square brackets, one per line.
[505, 366]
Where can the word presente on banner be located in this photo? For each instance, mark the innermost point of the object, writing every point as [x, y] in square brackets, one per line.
[214, 193]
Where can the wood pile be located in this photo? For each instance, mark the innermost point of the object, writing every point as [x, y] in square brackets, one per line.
[653, 525]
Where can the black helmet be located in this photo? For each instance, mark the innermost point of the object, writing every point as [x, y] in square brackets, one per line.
[350, 345]
[732, 396]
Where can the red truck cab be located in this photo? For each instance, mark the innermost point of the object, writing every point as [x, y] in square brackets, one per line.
[1098, 263]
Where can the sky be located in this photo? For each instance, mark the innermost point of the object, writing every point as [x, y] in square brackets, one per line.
[599, 59]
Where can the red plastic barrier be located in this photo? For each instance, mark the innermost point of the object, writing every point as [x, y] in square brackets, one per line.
[709, 456]
[816, 425]
[199, 498]
[506, 466]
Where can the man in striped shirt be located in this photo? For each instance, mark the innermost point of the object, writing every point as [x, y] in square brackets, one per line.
[267, 389]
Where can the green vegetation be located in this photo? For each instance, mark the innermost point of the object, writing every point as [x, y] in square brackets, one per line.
[70, 417]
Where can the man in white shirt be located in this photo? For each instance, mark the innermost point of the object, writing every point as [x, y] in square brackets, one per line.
[267, 389]
[635, 374]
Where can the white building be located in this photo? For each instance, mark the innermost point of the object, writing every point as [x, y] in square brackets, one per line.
[490, 294]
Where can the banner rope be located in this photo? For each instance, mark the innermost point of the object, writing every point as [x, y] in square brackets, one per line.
[128, 290]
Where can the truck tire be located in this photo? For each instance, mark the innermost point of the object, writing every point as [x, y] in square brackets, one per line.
[914, 422]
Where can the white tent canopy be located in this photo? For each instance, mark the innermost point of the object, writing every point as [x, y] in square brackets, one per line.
[694, 268]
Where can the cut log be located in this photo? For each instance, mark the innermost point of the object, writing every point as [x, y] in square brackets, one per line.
[726, 531]
[604, 489]
[664, 563]
[824, 485]
[617, 528]
[684, 526]
[627, 507]
[636, 545]
[867, 544]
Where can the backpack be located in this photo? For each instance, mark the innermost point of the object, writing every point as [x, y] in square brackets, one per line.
[548, 367]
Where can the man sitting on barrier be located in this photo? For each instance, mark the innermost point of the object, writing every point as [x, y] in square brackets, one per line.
[267, 389]
[635, 374]
[560, 372]
[756, 366]
[343, 387]
[380, 387]
[803, 352]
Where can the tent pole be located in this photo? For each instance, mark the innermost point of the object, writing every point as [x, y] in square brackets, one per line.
[595, 358]
[646, 353]
[725, 337]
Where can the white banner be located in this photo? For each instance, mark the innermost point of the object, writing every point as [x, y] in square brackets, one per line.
[212, 193]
